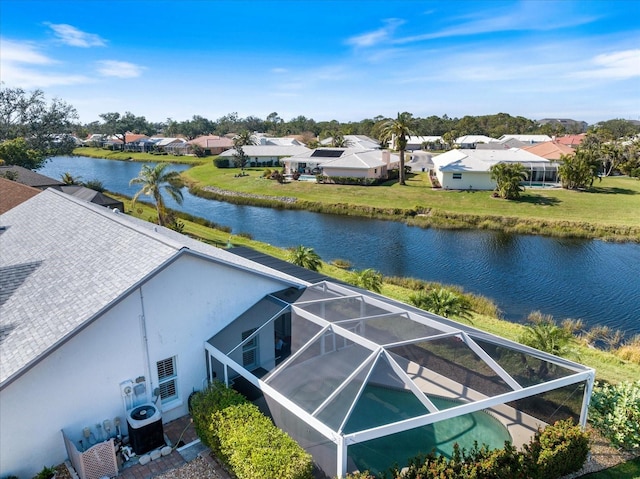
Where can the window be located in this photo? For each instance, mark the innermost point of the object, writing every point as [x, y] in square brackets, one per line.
[250, 350]
[457, 176]
[168, 379]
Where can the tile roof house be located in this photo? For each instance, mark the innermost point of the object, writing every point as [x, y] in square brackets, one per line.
[551, 150]
[28, 177]
[212, 144]
[101, 312]
[13, 193]
[91, 299]
[571, 140]
[354, 162]
[470, 141]
[269, 155]
[468, 169]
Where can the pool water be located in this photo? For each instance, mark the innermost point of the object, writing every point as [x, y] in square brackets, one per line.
[379, 404]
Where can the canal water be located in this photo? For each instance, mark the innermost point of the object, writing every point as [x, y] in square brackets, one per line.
[595, 281]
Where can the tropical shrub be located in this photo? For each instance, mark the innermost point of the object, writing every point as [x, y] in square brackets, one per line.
[256, 449]
[205, 404]
[556, 451]
[368, 279]
[305, 257]
[221, 163]
[615, 412]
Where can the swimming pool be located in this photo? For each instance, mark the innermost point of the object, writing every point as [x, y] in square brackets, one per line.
[380, 404]
[307, 178]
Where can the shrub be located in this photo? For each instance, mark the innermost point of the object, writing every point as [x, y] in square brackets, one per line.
[204, 406]
[256, 449]
[615, 412]
[221, 162]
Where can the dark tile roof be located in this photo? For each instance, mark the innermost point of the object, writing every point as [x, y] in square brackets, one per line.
[29, 177]
[280, 265]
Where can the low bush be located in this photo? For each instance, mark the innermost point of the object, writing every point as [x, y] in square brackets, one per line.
[615, 412]
[255, 449]
[244, 439]
[222, 163]
[556, 451]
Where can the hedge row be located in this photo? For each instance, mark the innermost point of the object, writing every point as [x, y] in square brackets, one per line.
[556, 451]
[244, 439]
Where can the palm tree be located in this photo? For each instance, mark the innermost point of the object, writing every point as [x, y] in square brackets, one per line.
[153, 180]
[508, 177]
[442, 302]
[305, 257]
[369, 279]
[398, 131]
[544, 334]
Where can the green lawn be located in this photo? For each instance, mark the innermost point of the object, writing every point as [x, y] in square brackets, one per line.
[614, 202]
[627, 470]
[610, 209]
[608, 366]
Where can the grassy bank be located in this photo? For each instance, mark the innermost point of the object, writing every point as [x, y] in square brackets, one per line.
[608, 366]
[129, 156]
[610, 210]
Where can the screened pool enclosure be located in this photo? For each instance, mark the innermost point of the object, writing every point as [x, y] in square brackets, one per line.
[358, 379]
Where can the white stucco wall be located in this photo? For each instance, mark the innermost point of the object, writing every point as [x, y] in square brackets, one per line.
[469, 180]
[78, 385]
[353, 172]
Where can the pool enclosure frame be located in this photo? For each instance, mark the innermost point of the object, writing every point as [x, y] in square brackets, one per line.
[318, 300]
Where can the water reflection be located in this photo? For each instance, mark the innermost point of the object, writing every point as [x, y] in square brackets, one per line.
[574, 278]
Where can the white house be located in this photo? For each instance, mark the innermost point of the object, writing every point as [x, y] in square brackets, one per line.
[469, 169]
[266, 155]
[371, 164]
[470, 141]
[353, 162]
[100, 312]
[360, 142]
[530, 139]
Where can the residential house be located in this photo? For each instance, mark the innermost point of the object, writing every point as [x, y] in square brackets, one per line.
[354, 162]
[527, 139]
[470, 141]
[551, 150]
[370, 164]
[571, 140]
[360, 142]
[13, 193]
[415, 143]
[469, 169]
[91, 196]
[100, 313]
[101, 318]
[212, 144]
[28, 177]
[265, 155]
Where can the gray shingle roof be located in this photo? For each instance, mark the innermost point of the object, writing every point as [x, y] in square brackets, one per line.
[62, 261]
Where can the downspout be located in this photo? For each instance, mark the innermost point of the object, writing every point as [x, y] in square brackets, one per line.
[145, 341]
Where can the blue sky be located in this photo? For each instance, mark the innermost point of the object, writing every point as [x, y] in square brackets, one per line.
[346, 60]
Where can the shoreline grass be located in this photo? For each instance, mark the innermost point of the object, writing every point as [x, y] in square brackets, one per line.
[609, 367]
[609, 211]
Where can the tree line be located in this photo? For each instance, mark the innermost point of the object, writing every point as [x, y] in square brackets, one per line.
[32, 129]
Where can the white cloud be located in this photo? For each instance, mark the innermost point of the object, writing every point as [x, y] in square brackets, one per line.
[21, 65]
[377, 36]
[118, 69]
[279, 70]
[22, 53]
[620, 65]
[70, 35]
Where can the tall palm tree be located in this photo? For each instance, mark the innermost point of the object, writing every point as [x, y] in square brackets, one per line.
[398, 131]
[153, 180]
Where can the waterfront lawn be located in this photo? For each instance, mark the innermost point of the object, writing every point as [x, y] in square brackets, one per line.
[608, 366]
[613, 201]
[132, 156]
[627, 470]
